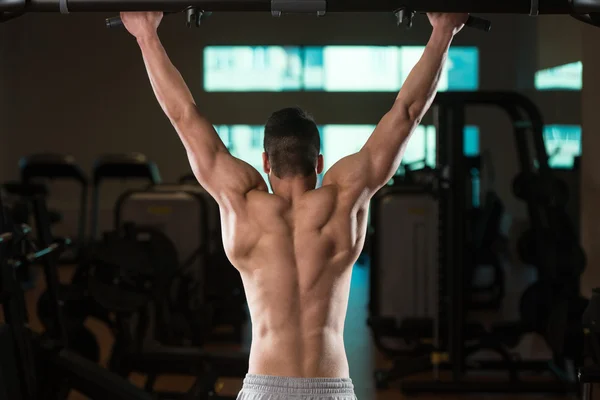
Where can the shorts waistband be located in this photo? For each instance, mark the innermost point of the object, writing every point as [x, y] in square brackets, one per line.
[299, 386]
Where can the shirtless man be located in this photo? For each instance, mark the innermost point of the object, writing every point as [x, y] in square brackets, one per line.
[294, 248]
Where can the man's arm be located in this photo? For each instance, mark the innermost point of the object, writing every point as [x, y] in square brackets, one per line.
[221, 174]
[365, 172]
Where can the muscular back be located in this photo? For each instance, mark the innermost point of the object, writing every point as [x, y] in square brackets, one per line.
[295, 260]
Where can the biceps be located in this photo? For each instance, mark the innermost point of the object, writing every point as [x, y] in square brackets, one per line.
[386, 147]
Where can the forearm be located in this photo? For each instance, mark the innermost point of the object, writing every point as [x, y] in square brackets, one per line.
[384, 148]
[419, 89]
[170, 89]
[196, 132]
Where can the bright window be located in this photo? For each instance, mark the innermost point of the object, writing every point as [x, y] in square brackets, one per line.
[563, 144]
[328, 68]
[563, 77]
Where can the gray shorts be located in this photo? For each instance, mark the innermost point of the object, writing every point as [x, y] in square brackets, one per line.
[262, 387]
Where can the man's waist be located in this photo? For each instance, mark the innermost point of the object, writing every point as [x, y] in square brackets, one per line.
[298, 386]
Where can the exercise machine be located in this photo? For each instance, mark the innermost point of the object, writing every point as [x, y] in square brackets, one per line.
[450, 339]
[205, 273]
[119, 167]
[34, 367]
[75, 310]
[134, 275]
[589, 373]
[37, 168]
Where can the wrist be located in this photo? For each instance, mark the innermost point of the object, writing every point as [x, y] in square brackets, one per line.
[442, 34]
[147, 38]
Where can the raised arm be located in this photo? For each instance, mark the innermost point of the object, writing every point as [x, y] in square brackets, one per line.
[221, 174]
[363, 173]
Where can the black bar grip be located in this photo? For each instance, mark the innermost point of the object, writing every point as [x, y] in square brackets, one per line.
[479, 23]
[114, 22]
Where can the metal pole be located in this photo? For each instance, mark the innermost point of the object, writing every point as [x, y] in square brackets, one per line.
[472, 6]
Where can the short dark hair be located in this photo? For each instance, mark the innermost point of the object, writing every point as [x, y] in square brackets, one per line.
[292, 142]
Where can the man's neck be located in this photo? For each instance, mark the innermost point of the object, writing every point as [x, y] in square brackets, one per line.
[293, 187]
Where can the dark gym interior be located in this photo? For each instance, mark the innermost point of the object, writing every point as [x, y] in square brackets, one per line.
[83, 140]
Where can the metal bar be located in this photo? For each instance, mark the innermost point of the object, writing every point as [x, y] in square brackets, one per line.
[458, 173]
[42, 225]
[495, 365]
[31, 257]
[512, 103]
[414, 387]
[443, 126]
[587, 391]
[6, 237]
[472, 6]
[15, 315]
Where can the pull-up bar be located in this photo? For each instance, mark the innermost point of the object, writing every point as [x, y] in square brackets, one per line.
[463, 6]
[587, 10]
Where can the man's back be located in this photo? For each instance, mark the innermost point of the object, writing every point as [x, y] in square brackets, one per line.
[295, 259]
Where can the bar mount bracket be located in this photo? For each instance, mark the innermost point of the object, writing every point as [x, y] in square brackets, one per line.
[280, 7]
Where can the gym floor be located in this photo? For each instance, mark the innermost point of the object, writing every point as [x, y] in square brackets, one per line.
[362, 354]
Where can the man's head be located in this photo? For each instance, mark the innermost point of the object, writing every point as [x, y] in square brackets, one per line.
[292, 145]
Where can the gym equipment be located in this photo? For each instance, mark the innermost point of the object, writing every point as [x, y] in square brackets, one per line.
[589, 373]
[194, 17]
[584, 10]
[76, 302]
[119, 167]
[223, 284]
[33, 367]
[486, 238]
[450, 346]
[205, 278]
[485, 218]
[403, 15]
[486, 270]
[132, 275]
[529, 7]
[132, 270]
[407, 285]
[77, 305]
[53, 167]
[72, 297]
[76, 311]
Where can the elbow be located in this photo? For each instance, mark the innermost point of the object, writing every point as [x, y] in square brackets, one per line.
[381, 169]
[382, 177]
[415, 113]
[409, 113]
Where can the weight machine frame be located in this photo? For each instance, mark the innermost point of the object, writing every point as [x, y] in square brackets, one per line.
[449, 117]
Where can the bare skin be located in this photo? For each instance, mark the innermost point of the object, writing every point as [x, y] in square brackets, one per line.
[295, 248]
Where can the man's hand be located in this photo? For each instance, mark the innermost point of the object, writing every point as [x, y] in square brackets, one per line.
[142, 24]
[448, 22]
